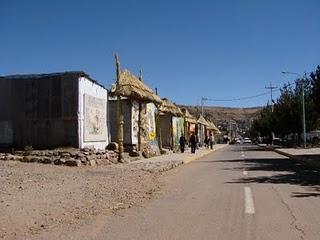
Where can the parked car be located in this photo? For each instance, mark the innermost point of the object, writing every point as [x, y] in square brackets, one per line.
[247, 141]
[313, 137]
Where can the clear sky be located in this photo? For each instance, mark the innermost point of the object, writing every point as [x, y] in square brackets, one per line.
[187, 49]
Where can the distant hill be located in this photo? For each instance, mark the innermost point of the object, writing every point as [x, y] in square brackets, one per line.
[222, 116]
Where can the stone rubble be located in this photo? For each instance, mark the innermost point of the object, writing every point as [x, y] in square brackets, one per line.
[69, 157]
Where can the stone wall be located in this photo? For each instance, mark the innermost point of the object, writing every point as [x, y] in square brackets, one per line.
[67, 157]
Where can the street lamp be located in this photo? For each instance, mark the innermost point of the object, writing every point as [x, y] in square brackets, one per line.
[303, 106]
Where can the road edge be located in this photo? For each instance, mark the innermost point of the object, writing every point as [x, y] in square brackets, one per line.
[193, 158]
[308, 160]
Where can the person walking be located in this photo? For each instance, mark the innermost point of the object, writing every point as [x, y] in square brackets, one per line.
[211, 141]
[182, 142]
[206, 142]
[193, 143]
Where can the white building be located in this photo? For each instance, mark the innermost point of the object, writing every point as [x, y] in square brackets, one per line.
[53, 110]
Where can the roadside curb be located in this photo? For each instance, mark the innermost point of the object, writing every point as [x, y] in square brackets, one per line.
[310, 160]
[279, 151]
[193, 158]
[284, 153]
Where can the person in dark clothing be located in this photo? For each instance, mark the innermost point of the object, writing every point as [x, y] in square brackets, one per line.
[182, 142]
[193, 143]
[206, 142]
[211, 140]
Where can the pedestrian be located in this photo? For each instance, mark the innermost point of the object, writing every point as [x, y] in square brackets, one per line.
[206, 142]
[211, 140]
[193, 143]
[182, 142]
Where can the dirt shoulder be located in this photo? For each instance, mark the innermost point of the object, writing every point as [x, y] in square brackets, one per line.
[37, 198]
[40, 201]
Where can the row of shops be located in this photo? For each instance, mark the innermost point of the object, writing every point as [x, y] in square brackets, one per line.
[151, 123]
[71, 109]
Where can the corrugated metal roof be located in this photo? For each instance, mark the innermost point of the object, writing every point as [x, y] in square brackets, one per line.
[51, 75]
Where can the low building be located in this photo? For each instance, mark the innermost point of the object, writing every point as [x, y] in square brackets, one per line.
[67, 109]
[201, 130]
[171, 125]
[212, 129]
[138, 103]
[190, 123]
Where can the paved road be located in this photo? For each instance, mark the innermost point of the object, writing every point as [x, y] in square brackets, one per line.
[235, 193]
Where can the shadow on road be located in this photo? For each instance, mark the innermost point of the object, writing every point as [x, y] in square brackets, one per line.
[283, 171]
[302, 195]
[247, 148]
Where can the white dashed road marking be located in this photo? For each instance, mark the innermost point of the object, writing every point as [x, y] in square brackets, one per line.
[248, 201]
[245, 173]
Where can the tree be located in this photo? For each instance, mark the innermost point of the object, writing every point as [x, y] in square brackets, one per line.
[315, 97]
[286, 119]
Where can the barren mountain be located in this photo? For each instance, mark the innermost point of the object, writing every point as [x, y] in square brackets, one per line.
[224, 116]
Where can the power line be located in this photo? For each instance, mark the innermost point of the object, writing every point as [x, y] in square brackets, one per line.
[237, 99]
[247, 97]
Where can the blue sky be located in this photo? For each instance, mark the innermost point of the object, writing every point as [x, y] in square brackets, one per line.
[187, 49]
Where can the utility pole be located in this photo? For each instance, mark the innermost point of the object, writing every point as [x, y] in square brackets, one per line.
[303, 114]
[202, 102]
[230, 130]
[271, 88]
[120, 120]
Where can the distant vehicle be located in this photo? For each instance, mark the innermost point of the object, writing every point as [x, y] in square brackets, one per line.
[313, 137]
[238, 141]
[277, 141]
[247, 141]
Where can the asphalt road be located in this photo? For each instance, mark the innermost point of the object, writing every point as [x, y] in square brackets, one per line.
[239, 192]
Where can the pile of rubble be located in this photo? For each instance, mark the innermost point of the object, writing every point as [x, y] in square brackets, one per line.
[68, 157]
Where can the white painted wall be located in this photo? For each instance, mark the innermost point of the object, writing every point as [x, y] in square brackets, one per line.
[90, 88]
[134, 122]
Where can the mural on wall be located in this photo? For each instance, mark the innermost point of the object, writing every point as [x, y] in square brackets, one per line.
[177, 130]
[95, 119]
[151, 122]
[135, 122]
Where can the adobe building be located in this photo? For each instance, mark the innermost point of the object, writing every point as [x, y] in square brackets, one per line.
[171, 125]
[67, 109]
[190, 123]
[201, 130]
[139, 107]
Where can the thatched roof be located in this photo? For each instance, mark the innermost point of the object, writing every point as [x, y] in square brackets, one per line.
[202, 121]
[132, 87]
[188, 117]
[170, 108]
[213, 127]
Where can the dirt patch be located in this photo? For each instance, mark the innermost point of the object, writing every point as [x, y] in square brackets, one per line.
[35, 198]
